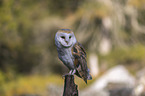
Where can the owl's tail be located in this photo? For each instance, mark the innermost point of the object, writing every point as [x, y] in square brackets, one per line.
[89, 77]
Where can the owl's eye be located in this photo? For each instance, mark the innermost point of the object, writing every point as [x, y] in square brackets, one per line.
[62, 37]
[69, 37]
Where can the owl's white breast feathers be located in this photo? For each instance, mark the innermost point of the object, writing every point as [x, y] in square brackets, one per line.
[66, 57]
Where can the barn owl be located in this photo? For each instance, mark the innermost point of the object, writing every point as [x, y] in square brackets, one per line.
[72, 53]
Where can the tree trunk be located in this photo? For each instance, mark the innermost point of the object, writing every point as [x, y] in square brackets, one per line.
[70, 88]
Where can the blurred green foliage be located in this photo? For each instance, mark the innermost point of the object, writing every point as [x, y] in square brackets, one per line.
[27, 30]
[16, 36]
[28, 85]
[131, 57]
[18, 48]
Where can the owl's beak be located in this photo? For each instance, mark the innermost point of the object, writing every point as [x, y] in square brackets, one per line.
[66, 42]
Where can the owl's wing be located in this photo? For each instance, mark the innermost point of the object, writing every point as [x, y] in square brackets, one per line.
[80, 61]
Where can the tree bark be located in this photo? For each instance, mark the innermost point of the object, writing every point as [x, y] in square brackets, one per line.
[70, 88]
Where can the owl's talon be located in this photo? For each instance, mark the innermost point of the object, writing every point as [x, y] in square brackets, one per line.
[63, 76]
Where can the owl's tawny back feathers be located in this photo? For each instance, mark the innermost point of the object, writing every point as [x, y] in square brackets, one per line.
[80, 62]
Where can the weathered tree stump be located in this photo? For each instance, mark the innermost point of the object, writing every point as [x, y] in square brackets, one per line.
[70, 88]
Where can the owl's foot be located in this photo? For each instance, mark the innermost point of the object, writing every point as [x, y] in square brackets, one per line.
[72, 72]
[66, 74]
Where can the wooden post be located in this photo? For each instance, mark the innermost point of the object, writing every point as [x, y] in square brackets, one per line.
[70, 88]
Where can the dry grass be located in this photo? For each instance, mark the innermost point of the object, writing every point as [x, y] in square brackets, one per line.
[31, 85]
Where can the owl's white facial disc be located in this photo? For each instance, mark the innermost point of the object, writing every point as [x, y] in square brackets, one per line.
[65, 39]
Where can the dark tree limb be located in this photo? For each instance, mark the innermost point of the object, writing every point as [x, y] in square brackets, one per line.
[70, 88]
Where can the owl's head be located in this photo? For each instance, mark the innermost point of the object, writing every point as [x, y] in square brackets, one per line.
[65, 38]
